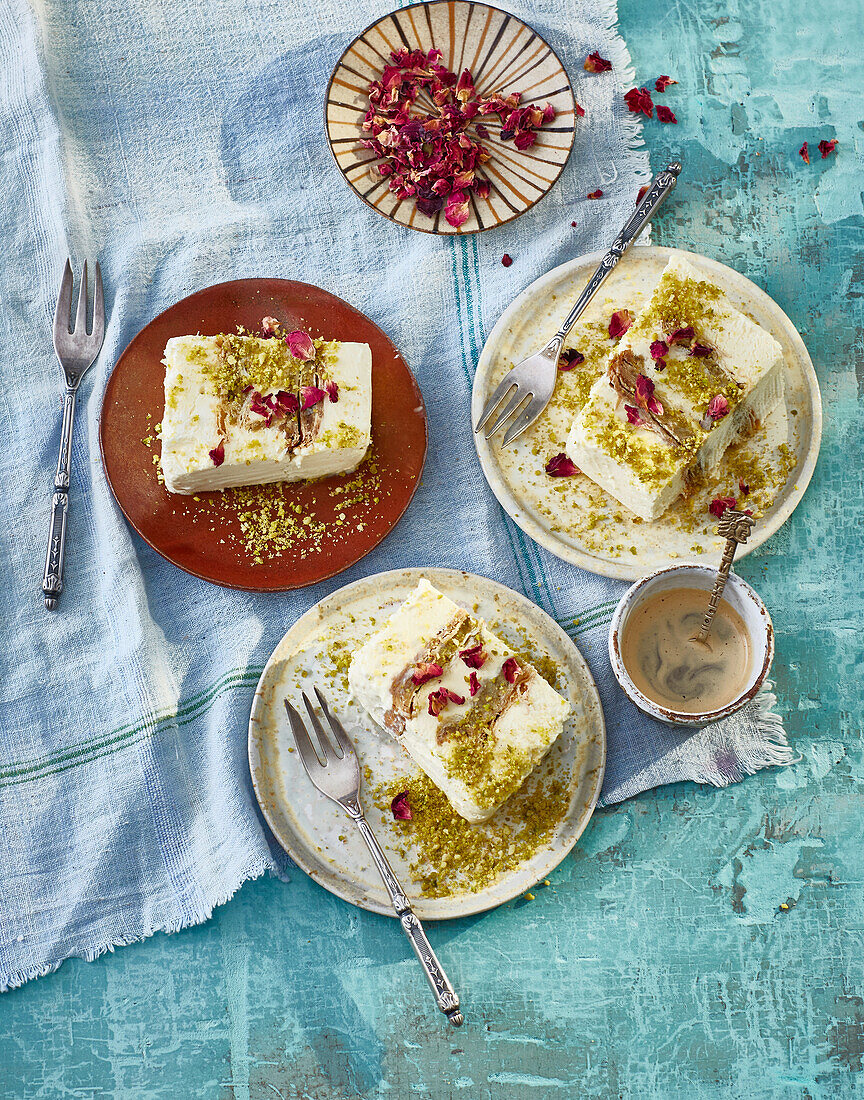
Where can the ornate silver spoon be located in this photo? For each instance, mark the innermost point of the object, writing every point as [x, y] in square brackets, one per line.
[735, 528]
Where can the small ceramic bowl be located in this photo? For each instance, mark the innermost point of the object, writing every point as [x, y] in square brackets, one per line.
[742, 598]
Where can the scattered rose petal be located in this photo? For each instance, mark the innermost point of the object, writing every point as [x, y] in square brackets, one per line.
[701, 351]
[456, 210]
[718, 407]
[641, 193]
[439, 699]
[269, 326]
[332, 391]
[561, 466]
[426, 671]
[719, 505]
[311, 395]
[620, 321]
[663, 82]
[453, 697]
[473, 684]
[681, 335]
[644, 388]
[218, 453]
[506, 260]
[287, 402]
[473, 657]
[659, 349]
[580, 110]
[510, 668]
[300, 345]
[639, 99]
[743, 487]
[594, 63]
[573, 224]
[633, 415]
[660, 365]
[827, 147]
[654, 406]
[598, 194]
[664, 114]
[400, 807]
[570, 358]
[804, 153]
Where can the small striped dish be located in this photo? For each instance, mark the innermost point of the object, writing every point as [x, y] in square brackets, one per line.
[504, 55]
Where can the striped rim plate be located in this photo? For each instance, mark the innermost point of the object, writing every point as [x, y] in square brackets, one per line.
[504, 55]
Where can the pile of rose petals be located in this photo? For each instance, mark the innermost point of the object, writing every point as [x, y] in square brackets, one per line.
[418, 120]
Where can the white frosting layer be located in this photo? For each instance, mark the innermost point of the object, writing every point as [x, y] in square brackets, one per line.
[254, 456]
[528, 727]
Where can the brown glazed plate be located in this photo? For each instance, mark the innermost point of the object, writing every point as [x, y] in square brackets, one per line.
[350, 513]
[504, 55]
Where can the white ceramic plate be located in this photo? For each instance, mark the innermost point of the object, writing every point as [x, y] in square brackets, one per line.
[315, 832]
[574, 518]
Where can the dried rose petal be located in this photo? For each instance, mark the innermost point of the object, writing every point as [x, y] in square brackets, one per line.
[474, 657]
[743, 487]
[659, 349]
[701, 351]
[561, 466]
[269, 326]
[506, 260]
[594, 63]
[287, 402]
[644, 388]
[426, 671]
[580, 111]
[681, 335]
[804, 153]
[654, 406]
[827, 147]
[437, 702]
[473, 684]
[510, 668]
[400, 807]
[456, 210]
[719, 505]
[663, 82]
[573, 224]
[300, 345]
[598, 194]
[639, 99]
[718, 407]
[641, 193]
[664, 114]
[459, 700]
[633, 415]
[620, 321]
[332, 391]
[311, 395]
[218, 453]
[570, 358]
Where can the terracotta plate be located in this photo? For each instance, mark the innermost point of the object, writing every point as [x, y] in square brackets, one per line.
[349, 514]
[504, 55]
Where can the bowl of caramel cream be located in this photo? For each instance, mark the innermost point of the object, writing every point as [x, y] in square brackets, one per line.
[669, 674]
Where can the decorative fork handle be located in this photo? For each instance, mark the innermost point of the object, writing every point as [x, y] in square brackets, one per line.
[52, 578]
[659, 188]
[444, 992]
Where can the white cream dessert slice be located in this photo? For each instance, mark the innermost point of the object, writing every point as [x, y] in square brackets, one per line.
[234, 416]
[416, 677]
[651, 421]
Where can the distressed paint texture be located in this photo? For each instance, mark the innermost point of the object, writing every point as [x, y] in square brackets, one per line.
[699, 943]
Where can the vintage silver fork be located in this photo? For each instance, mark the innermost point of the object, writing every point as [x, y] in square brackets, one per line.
[76, 349]
[534, 378]
[339, 779]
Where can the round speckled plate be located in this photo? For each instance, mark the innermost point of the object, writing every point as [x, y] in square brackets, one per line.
[505, 55]
[315, 832]
[577, 520]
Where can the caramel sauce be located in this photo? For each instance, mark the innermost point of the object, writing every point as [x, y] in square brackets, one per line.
[669, 667]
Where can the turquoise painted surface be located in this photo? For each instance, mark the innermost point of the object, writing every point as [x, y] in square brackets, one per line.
[659, 962]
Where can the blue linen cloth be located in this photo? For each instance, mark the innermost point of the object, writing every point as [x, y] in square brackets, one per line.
[182, 145]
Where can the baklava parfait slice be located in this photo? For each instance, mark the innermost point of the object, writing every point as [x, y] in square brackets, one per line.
[685, 379]
[475, 716]
[247, 409]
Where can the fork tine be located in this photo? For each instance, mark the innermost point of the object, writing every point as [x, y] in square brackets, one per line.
[303, 742]
[510, 408]
[98, 307]
[524, 420]
[501, 391]
[336, 726]
[81, 312]
[62, 313]
[326, 744]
